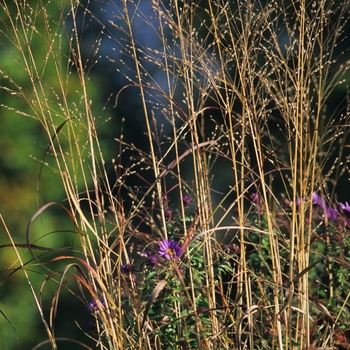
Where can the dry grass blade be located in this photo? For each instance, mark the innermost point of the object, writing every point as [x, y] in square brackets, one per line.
[227, 202]
[152, 298]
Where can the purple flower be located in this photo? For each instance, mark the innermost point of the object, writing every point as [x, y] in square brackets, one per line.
[152, 259]
[93, 306]
[331, 213]
[316, 199]
[126, 269]
[254, 197]
[186, 200]
[169, 249]
[168, 214]
[345, 206]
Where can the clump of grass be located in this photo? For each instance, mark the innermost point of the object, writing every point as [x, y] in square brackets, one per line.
[235, 238]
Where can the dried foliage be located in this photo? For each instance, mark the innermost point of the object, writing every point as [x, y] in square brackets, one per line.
[234, 238]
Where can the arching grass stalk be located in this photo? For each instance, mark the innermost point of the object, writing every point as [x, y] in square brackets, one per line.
[221, 231]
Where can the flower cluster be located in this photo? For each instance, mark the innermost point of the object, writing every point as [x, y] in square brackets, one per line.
[318, 201]
[329, 212]
[168, 249]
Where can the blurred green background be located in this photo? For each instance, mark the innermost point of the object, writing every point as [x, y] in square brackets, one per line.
[23, 144]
